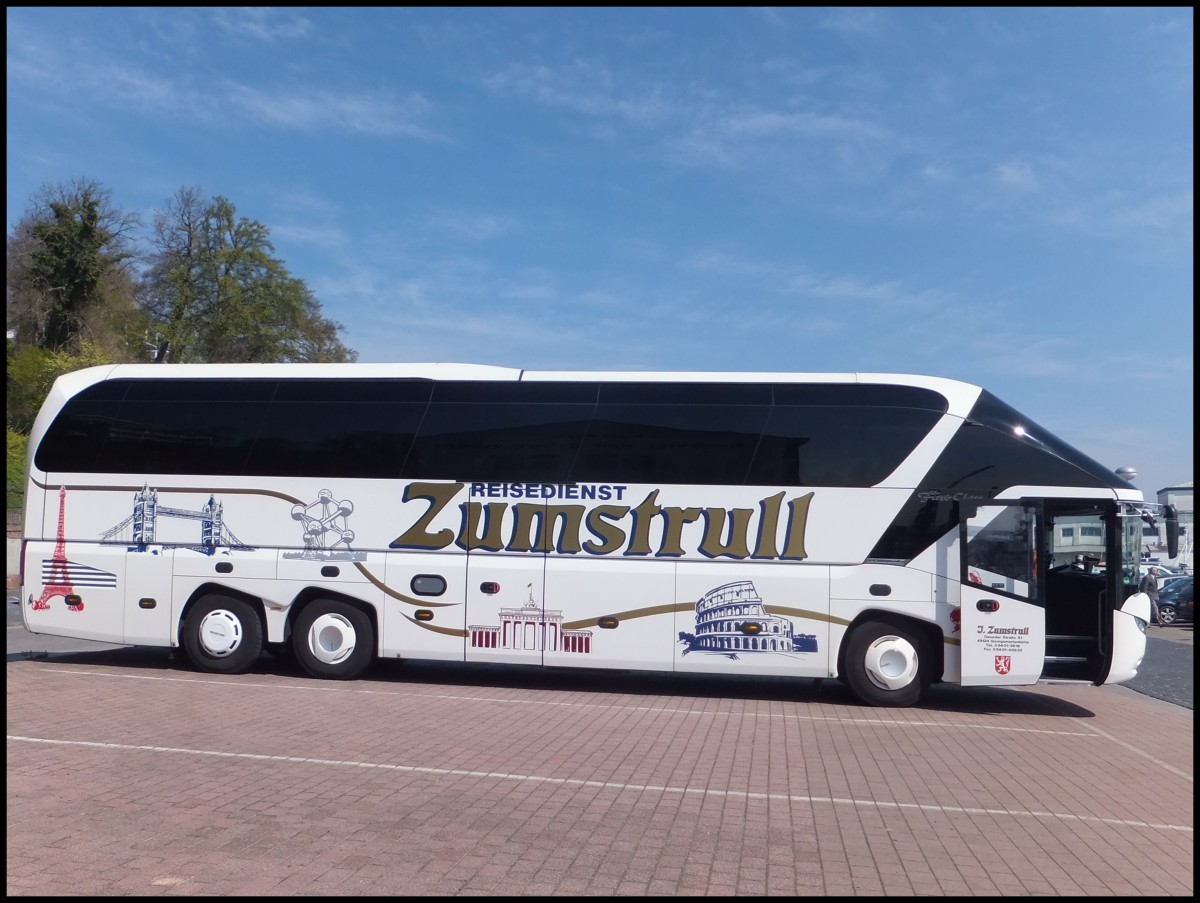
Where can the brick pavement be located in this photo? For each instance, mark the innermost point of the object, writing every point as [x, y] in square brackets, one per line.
[128, 774]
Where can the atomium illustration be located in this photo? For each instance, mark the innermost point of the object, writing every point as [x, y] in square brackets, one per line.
[326, 534]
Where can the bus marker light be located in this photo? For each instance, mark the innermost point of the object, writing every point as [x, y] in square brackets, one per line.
[424, 614]
[146, 603]
[751, 627]
[987, 605]
[489, 589]
[607, 622]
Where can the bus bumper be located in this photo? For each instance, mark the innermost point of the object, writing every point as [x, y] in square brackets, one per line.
[1129, 638]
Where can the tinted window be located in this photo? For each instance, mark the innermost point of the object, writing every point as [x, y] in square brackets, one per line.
[231, 427]
[334, 439]
[673, 433]
[836, 445]
[678, 433]
[74, 439]
[856, 395]
[177, 391]
[1182, 589]
[339, 428]
[989, 452]
[987, 460]
[341, 391]
[985, 456]
[501, 431]
[685, 393]
[181, 437]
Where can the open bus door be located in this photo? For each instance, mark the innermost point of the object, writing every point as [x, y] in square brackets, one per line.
[1003, 620]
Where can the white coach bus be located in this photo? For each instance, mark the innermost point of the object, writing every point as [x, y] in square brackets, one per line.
[889, 531]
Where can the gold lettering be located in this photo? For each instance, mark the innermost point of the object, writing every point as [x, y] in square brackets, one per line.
[768, 527]
[673, 521]
[739, 529]
[439, 495]
[541, 528]
[522, 534]
[612, 537]
[793, 550]
[572, 518]
[492, 539]
[639, 542]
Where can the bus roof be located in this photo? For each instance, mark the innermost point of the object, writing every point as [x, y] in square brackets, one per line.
[466, 371]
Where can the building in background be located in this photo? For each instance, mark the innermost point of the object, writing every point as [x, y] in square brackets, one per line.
[1155, 541]
[1082, 536]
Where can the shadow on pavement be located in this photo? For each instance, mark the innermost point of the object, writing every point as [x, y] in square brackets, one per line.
[939, 698]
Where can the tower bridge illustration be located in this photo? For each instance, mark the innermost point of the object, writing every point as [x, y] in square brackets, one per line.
[141, 529]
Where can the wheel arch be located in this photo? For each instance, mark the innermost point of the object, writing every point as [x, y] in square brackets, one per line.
[930, 633]
[311, 594]
[205, 590]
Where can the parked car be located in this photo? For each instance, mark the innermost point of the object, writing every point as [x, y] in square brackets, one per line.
[1163, 571]
[1177, 601]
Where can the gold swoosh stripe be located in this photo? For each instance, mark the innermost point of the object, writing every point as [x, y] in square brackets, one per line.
[805, 613]
[631, 614]
[445, 631]
[419, 603]
[192, 489]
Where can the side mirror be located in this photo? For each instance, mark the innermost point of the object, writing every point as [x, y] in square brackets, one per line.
[1171, 516]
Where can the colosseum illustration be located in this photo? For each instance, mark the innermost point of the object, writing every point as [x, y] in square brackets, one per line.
[731, 621]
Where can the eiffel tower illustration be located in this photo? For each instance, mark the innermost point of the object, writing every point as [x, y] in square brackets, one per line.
[58, 581]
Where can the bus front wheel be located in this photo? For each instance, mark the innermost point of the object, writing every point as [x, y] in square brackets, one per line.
[884, 664]
[222, 635]
[333, 640]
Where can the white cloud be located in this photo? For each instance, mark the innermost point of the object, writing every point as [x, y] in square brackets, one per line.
[1017, 175]
[476, 226]
[263, 23]
[856, 21]
[366, 114]
[107, 83]
[581, 87]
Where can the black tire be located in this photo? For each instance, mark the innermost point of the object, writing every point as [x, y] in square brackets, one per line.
[222, 635]
[333, 640]
[1167, 614]
[887, 665]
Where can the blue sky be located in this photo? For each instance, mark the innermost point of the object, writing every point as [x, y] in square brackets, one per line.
[1000, 196]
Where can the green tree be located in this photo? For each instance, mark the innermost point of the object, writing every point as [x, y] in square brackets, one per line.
[69, 301]
[32, 372]
[17, 444]
[69, 272]
[215, 292]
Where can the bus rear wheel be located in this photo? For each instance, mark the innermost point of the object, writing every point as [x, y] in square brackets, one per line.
[884, 664]
[222, 635]
[333, 640]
